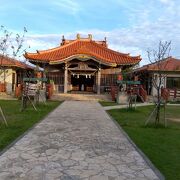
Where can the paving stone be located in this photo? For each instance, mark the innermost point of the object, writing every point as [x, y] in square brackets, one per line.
[73, 172]
[65, 177]
[88, 173]
[69, 162]
[149, 173]
[50, 152]
[26, 156]
[111, 173]
[79, 155]
[78, 141]
[99, 177]
[53, 174]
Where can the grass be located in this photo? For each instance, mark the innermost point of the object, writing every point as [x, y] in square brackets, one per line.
[19, 122]
[161, 145]
[108, 103]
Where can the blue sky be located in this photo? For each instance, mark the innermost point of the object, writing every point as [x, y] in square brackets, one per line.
[131, 26]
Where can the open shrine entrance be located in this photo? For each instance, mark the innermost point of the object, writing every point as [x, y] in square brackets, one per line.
[82, 75]
[82, 82]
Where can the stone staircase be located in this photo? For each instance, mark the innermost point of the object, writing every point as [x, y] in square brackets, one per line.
[81, 97]
[5, 96]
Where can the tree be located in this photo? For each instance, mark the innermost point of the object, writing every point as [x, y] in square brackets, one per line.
[158, 58]
[11, 46]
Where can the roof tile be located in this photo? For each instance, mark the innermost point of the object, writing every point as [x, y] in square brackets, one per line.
[168, 64]
[11, 62]
[87, 47]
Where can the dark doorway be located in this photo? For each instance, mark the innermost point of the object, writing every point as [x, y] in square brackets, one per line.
[82, 82]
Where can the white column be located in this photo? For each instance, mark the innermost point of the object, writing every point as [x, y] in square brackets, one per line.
[65, 78]
[99, 81]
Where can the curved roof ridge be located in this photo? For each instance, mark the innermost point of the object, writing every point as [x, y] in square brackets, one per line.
[76, 40]
[117, 53]
[138, 57]
[83, 46]
[55, 48]
[111, 50]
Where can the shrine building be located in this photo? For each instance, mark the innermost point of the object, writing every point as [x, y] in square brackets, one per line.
[82, 64]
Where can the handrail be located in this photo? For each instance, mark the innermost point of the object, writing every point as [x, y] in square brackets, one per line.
[143, 93]
[114, 90]
[165, 93]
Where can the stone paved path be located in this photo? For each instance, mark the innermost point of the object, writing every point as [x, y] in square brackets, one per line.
[76, 141]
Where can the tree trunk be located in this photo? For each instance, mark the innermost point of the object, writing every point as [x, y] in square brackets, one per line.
[157, 119]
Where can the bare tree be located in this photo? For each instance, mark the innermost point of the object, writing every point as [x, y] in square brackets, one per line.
[11, 46]
[158, 60]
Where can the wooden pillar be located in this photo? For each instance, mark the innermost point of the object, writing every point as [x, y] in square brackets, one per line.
[99, 81]
[43, 73]
[65, 78]
[17, 77]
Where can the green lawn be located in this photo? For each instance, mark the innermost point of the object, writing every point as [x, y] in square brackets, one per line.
[108, 103]
[161, 145]
[19, 122]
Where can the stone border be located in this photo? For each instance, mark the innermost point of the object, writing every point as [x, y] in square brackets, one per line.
[146, 159]
[169, 104]
[26, 132]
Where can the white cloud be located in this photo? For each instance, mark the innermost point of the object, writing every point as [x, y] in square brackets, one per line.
[136, 40]
[166, 1]
[148, 26]
[70, 6]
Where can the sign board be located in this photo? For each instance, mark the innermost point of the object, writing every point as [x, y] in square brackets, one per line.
[34, 79]
[129, 82]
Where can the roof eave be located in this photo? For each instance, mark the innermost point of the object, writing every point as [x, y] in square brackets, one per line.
[87, 57]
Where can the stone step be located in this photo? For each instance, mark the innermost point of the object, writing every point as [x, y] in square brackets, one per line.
[3, 95]
[81, 97]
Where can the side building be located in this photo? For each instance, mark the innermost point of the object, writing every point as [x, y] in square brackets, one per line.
[169, 68]
[12, 72]
[82, 64]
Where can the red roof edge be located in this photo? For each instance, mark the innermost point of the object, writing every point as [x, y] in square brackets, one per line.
[12, 62]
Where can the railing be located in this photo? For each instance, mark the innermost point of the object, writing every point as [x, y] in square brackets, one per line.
[49, 89]
[165, 93]
[174, 93]
[2, 87]
[114, 91]
[18, 90]
[135, 90]
[139, 91]
[142, 93]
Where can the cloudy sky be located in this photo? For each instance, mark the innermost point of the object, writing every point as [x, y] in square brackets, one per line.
[131, 26]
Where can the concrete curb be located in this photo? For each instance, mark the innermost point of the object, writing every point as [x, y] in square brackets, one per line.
[26, 132]
[168, 104]
[137, 105]
[146, 159]
[124, 106]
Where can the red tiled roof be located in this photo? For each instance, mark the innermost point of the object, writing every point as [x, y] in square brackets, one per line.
[86, 47]
[168, 64]
[10, 62]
